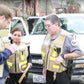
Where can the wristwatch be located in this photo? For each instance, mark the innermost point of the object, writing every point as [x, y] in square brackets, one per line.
[62, 55]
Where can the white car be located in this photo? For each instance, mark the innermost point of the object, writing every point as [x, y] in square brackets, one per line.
[70, 23]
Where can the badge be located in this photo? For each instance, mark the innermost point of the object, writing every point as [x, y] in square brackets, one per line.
[74, 42]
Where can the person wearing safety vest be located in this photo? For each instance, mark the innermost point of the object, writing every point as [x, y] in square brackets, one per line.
[18, 62]
[5, 18]
[57, 48]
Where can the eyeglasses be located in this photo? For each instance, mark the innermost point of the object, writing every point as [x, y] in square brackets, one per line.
[47, 26]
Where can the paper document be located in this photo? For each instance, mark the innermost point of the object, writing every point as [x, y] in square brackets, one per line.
[22, 46]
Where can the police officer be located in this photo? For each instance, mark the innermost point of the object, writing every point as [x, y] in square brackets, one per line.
[57, 47]
[17, 62]
[5, 18]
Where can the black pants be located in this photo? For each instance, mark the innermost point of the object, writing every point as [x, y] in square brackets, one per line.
[14, 78]
[61, 78]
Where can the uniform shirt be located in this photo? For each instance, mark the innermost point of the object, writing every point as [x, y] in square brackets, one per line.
[56, 35]
[71, 45]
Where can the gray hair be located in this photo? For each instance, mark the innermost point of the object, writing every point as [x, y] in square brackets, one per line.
[53, 18]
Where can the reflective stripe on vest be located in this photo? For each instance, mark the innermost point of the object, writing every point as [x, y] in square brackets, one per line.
[23, 64]
[9, 64]
[54, 54]
[56, 66]
[43, 54]
[52, 58]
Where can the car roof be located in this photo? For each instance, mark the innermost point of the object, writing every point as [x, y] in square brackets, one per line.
[70, 15]
[33, 17]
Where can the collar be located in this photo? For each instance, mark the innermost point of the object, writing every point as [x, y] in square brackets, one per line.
[52, 39]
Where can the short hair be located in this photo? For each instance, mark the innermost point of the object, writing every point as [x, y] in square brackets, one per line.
[53, 18]
[17, 29]
[4, 10]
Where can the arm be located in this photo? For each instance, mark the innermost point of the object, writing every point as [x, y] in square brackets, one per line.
[4, 55]
[29, 58]
[71, 49]
[72, 55]
[29, 55]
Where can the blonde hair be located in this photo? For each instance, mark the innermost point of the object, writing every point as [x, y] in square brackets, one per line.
[4, 10]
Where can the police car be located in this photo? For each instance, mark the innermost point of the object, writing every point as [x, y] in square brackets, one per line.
[70, 23]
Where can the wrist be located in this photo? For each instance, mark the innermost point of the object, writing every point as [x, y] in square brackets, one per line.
[62, 55]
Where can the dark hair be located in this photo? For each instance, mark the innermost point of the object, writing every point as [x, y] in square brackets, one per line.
[17, 29]
[53, 18]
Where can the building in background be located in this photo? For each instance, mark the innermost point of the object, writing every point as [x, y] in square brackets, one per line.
[27, 8]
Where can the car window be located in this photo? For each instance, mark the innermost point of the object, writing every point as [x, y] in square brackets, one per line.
[31, 23]
[17, 23]
[70, 24]
[73, 24]
[39, 27]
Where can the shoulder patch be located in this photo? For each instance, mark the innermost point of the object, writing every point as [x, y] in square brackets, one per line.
[73, 42]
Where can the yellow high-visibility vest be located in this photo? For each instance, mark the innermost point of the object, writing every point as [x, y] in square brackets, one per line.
[18, 61]
[49, 52]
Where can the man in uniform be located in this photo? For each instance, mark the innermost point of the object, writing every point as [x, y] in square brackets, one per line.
[57, 48]
[5, 18]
